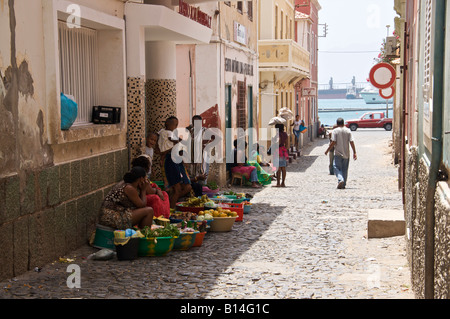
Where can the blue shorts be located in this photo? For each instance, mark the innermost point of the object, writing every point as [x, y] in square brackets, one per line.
[175, 173]
[282, 162]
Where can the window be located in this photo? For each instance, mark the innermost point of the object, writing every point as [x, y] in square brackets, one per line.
[287, 28]
[427, 61]
[276, 22]
[78, 57]
[250, 10]
[240, 107]
[239, 6]
[228, 3]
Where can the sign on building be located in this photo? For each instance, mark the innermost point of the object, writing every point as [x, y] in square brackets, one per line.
[312, 91]
[240, 33]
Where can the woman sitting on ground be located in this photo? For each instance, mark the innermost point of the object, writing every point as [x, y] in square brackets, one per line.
[156, 198]
[125, 205]
[241, 166]
[256, 160]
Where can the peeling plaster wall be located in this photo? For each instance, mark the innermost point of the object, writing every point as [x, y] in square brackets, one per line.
[23, 144]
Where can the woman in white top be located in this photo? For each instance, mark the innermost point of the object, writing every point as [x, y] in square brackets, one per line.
[296, 129]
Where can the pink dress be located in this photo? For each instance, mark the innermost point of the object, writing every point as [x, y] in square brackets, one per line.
[160, 207]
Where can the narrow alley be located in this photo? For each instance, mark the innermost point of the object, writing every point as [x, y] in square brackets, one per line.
[305, 241]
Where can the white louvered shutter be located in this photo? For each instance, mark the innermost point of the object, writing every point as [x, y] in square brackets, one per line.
[78, 55]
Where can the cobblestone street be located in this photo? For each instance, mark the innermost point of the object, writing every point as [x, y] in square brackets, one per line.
[308, 240]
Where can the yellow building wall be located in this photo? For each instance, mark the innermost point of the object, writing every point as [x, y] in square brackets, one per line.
[229, 14]
[280, 26]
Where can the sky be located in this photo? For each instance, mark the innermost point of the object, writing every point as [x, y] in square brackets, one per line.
[353, 25]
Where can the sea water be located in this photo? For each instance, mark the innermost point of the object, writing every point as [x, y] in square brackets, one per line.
[329, 118]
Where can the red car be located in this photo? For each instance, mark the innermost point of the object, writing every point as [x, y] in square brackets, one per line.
[370, 120]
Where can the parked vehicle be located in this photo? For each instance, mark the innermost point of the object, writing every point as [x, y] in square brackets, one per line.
[370, 120]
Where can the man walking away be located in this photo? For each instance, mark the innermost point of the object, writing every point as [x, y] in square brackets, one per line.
[341, 137]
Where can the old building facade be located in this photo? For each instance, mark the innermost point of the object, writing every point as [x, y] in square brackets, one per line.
[103, 53]
[282, 60]
[422, 108]
[306, 90]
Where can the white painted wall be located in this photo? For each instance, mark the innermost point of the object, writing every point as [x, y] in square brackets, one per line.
[160, 59]
[208, 77]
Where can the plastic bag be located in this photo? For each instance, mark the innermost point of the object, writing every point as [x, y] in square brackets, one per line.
[286, 114]
[69, 111]
[277, 120]
[104, 254]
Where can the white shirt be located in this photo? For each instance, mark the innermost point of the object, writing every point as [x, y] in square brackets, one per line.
[164, 141]
[342, 136]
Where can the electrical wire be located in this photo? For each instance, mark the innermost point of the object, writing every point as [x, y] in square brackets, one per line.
[348, 52]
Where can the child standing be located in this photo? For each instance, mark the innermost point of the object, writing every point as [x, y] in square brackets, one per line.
[179, 183]
[283, 155]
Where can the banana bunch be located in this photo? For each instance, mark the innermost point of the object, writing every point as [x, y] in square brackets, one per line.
[196, 202]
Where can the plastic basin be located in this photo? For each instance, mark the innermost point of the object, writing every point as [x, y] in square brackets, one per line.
[189, 209]
[222, 224]
[184, 241]
[159, 246]
[199, 239]
[104, 238]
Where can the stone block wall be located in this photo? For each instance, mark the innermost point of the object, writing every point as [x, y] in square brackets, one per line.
[410, 198]
[49, 212]
[442, 242]
[416, 181]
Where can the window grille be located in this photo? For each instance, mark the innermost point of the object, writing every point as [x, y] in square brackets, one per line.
[427, 51]
[240, 107]
[78, 57]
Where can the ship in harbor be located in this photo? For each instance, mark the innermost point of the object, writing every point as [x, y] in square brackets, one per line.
[350, 91]
[347, 91]
[371, 96]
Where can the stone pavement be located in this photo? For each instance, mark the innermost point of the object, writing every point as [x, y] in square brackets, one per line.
[308, 240]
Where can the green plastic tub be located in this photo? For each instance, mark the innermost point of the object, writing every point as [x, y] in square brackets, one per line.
[185, 241]
[104, 238]
[159, 247]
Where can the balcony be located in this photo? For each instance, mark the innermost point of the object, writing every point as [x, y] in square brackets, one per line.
[286, 58]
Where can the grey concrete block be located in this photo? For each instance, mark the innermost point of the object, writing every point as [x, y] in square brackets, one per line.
[385, 223]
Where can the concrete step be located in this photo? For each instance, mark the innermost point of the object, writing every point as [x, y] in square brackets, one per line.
[385, 223]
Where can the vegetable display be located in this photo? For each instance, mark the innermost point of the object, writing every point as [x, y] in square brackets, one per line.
[212, 185]
[168, 231]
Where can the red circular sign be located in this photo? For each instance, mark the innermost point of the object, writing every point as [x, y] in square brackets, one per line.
[387, 93]
[382, 75]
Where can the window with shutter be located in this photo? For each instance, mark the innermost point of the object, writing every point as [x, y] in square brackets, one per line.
[78, 56]
[250, 10]
[240, 107]
[427, 50]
